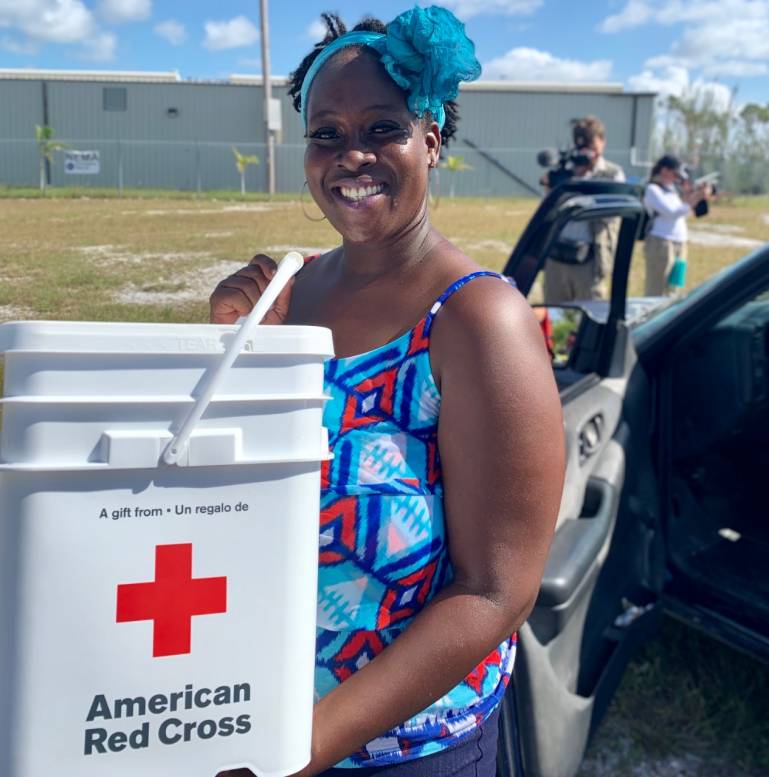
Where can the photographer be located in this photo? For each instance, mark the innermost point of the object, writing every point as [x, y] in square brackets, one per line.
[584, 253]
[666, 236]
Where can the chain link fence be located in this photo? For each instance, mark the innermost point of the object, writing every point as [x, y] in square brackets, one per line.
[206, 166]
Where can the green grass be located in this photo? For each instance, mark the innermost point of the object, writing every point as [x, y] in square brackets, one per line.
[48, 268]
[69, 257]
[686, 697]
[111, 193]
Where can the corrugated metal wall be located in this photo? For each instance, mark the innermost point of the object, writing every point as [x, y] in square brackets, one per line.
[21, 108]
[512, 127]
[179, 135]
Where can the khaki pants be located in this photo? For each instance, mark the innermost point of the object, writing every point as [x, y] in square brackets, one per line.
[567, 282]
[660, 257]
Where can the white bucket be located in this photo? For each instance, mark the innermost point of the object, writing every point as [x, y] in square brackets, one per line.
[157, 619]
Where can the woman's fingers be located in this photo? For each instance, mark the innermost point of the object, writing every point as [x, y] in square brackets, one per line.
[268, 265]
[237, 294]
[279, 310]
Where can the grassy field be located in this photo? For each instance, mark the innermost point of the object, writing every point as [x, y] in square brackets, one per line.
[687, 706]
[156, 258]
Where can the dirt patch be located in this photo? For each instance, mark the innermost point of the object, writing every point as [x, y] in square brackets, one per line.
[260, 208]
[714, 239]
[304, 250]
[508, 212]
[15, 313]
[194, 285]
[498, 246]
[724, 229]
[242, 208]
[111, 254]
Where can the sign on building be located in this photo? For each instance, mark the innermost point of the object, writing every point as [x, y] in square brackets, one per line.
[81, 162]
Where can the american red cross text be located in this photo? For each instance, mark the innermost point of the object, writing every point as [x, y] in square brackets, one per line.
[171, 599]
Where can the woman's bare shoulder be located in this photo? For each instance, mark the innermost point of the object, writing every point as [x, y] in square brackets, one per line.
[488, 319]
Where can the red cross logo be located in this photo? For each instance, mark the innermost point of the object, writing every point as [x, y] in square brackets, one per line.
[171, 599]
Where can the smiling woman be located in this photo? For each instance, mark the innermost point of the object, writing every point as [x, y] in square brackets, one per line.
[381, 188]
[444, 420]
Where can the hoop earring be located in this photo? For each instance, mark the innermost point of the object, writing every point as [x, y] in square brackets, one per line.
[304, 210]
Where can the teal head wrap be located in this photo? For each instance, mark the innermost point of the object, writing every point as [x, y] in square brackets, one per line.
[425, 51]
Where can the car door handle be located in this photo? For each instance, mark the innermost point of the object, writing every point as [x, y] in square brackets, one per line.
[577, 544]
[590, 437]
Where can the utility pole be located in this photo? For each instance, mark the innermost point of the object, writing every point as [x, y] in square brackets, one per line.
[269, 138]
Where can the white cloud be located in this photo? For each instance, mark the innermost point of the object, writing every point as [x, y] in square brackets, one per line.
[666, 60]
[316, 30]
[50, 21]
[735, 68]
[717, 39]
[635, 13]
[172, 31]
[672, 79]
[468, 8]
[13, 46]
[119, 11]
[525, 64]
[726, 37]
[99, 48]
[230, 34]
[65, 22]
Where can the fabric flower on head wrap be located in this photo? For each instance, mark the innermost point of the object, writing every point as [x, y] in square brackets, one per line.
[425, 51]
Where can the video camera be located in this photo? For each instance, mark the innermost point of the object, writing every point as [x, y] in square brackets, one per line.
[711, 179]
[561, 163]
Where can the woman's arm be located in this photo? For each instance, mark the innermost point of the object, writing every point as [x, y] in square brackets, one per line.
[656, 203]
[501, 443]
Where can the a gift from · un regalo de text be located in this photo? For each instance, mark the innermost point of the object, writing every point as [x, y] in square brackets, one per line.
[157, 619]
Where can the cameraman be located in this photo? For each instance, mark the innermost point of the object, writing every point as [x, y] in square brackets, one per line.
[582, 274]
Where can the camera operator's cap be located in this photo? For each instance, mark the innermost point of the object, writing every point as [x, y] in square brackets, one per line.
[670, 162]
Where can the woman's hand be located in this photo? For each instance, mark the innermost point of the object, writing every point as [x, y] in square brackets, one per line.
[696, 194]
[237, 294]
[692, 197]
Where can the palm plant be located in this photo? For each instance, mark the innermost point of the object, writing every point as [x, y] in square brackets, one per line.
[46, 147]
[454, 165]
[242, 161]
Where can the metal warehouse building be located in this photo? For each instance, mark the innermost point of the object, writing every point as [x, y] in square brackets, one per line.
[155, 130]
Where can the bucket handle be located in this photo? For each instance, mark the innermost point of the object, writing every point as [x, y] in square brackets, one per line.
[288, 266]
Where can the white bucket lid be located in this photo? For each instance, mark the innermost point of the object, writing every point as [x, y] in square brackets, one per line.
[128, 337]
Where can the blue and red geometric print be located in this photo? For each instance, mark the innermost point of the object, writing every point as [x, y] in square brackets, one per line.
[383, 550]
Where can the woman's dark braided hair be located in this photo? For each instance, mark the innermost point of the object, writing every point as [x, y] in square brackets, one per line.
[335, 28]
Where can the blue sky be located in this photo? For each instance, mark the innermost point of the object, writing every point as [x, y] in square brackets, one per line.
[647, 45]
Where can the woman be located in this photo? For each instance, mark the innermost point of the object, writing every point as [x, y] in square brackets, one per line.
[439, 505]
[666, 238]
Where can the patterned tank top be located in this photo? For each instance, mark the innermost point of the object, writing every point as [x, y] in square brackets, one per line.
[383, 550]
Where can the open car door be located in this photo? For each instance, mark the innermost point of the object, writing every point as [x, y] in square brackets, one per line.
[709, 364]
[597, 600]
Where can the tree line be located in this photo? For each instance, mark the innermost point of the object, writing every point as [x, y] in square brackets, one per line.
[731, 138]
